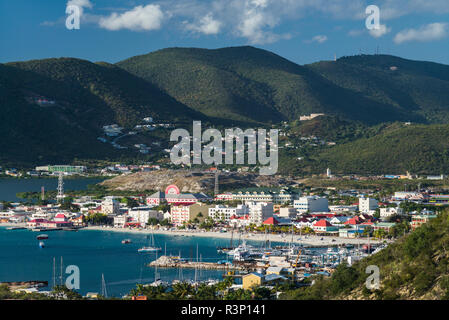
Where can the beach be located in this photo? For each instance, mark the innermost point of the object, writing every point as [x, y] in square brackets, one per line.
[308, 240]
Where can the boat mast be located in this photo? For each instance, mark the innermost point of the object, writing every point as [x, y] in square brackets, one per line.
[54, 272]
[104, 291]
[60, 276]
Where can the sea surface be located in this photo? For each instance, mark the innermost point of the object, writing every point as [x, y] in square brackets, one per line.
[101, 252]
[9, 187]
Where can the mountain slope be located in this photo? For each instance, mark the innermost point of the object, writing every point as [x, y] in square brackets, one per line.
[417, 87]
[419, 149]
[254, 84]
[87, 96]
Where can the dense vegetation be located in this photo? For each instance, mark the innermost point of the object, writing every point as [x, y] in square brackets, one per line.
[253, 84]
[239, 86]
[87, 96]
[419, 149]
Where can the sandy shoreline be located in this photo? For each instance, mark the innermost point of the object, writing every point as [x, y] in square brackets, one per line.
[311, 240]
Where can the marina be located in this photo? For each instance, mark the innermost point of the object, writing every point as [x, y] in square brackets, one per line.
[99, 253]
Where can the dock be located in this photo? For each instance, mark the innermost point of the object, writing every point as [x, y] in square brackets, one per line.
[175, 262]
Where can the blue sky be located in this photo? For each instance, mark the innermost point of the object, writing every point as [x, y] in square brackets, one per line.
[303, 31]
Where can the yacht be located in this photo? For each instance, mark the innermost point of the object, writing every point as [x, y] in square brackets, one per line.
[151, 247]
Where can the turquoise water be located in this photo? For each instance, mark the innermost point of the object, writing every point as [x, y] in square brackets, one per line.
[10, 187]
[97, 252]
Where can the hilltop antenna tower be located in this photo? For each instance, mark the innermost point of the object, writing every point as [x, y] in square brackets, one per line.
[60, 195]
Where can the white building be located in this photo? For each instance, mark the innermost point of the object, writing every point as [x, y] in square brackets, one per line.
[120, 221]
[276, 197]
[224, 213]
[142, 214]
[367, 205]
[343, 208]
[408, 195]
[260, 211]
[110, 206]
[288, 213]
[311, 204]
[388, 212]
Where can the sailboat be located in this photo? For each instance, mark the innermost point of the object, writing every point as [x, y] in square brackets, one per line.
[151, 247]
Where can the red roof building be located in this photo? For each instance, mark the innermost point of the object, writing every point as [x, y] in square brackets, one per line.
[323, 226]
[271, 221]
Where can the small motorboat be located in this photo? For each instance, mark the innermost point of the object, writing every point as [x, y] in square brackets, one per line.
[41, 244]
[42, 237]
[125, 241]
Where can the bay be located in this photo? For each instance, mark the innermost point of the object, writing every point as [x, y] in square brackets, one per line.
[101, 252]
[9, 187]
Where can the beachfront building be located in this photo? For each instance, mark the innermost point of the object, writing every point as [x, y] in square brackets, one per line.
[260, 211]
[110, 206]
[368, 205]
[287, 212]
[121, 221]
[224, 213]
[311, 204]
[324, 226]
[141, 215]
[183, 213]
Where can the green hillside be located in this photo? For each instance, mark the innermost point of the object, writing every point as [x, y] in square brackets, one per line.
[414, 267]
[239, 86]
[417, 87]
[87, 96]
[254, 84]
[397, 148]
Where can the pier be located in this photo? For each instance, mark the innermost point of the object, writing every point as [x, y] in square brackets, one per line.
[176, 262]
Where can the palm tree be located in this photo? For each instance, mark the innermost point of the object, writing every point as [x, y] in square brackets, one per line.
[182, 290]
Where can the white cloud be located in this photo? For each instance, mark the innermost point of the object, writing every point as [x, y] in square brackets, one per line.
[207, 25]
[256, 22]
[429, 32]
[318, 39]
[141, 18]
[377, 33]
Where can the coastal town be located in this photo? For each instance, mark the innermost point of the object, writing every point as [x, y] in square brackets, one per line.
[302, 233]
